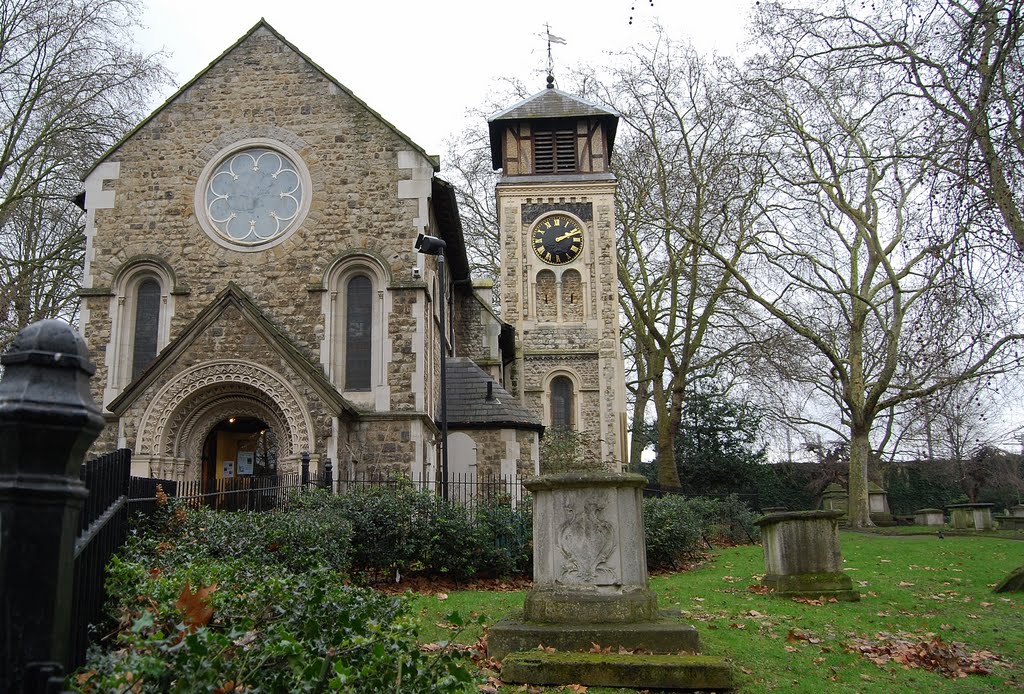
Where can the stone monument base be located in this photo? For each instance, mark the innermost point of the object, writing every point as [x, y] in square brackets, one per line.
[812, 585]
[577, 605]
[666, 634]
[692, 672]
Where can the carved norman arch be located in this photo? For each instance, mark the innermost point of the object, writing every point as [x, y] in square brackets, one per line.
[195, 399]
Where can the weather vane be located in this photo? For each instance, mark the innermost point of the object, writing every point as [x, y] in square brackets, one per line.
[551, 38]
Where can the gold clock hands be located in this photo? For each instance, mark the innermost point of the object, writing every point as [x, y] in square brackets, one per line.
[567, 234]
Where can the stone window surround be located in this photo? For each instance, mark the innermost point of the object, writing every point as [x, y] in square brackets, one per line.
[199, 196]
[333, 348]
[122, 311]
[577, 412]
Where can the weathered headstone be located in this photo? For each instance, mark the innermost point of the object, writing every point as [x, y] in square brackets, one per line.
[802, 556]
[971, 516]
[878, 505]
[929, 516]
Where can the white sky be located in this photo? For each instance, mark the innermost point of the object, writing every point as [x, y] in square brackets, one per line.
[421, 64]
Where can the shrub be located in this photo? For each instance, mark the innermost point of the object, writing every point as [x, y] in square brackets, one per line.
[304, 534]
[267, 629]
[678, 527]
[389, 527]
[505, 538]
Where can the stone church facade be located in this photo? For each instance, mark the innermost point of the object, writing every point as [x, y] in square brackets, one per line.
[252, 293]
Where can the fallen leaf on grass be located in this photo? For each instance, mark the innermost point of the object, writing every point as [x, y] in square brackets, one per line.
[546, 649]
[950, 659]
[759, 589]
[442, 596]
[819, 602]
[790, 649]
[904, 584]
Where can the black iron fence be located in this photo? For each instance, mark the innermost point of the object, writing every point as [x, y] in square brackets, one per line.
[103, 529]
[467, 490]
[244, 493]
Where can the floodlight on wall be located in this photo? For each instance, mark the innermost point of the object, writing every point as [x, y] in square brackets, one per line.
[431, 245]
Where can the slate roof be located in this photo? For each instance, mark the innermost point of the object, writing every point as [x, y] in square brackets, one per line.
[469, 408]
[549, 104]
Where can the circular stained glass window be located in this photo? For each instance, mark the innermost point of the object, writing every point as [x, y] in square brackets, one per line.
[254, 196]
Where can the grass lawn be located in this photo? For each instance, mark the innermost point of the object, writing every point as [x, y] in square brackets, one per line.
[913, 588]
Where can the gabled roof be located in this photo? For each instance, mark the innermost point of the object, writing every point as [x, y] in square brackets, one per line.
[265, 25]
[278, 341]
[470, 408]
[547, 104]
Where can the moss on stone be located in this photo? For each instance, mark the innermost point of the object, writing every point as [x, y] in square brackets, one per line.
[692, 672]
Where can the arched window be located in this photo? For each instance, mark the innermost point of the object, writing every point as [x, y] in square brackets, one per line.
[562, 405]
[572, 296]
[547, 301]
[358, 332]
[146, 326]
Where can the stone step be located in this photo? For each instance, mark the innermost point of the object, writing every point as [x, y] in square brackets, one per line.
[686, 672]
[667, 634]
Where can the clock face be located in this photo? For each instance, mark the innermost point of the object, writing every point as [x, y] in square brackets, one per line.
[557, 239]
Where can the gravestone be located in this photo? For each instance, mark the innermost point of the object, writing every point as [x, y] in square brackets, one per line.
[591, 588]
[802, 556]
[971, 516]
[929, 516]
[878, 505]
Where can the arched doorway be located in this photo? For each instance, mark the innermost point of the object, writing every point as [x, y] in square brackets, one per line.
[235, 447]
[174, 430]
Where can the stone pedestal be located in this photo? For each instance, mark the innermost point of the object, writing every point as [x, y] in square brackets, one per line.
[590, 587]
[590, 559]
[835, 498]
[1017, 511]
[971, 516]
[929, 516]
[878, 505]
[1009, 522]
[802, 557]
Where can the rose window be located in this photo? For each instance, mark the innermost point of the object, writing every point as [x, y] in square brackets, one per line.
[254, 196]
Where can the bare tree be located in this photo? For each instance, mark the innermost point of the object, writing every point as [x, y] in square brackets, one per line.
[685, 185]
[70, 85]
[960, 66]
[893, 299]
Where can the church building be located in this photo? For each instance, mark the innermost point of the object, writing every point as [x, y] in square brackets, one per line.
[252, 289]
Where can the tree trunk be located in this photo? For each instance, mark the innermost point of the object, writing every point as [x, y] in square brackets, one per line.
[859, 513]
[668, 474]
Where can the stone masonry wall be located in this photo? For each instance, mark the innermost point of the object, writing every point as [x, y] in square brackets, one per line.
[262, 89]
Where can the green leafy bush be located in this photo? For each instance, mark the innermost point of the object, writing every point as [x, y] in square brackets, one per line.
[304, 534]
[216, 601]
[236, 625]
[505, 538]
[390, 530]
[677, 527]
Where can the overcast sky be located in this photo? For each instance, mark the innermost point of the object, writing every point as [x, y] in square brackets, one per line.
[421, 64]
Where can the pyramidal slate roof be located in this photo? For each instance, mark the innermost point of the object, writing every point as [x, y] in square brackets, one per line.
[469, 407]
[552, 103]
[549, 103]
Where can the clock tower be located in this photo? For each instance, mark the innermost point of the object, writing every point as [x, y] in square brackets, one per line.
[556, 210]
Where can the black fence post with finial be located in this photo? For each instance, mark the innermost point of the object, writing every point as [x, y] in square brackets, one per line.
[305, 469]
[47, 422]
[328, 481]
